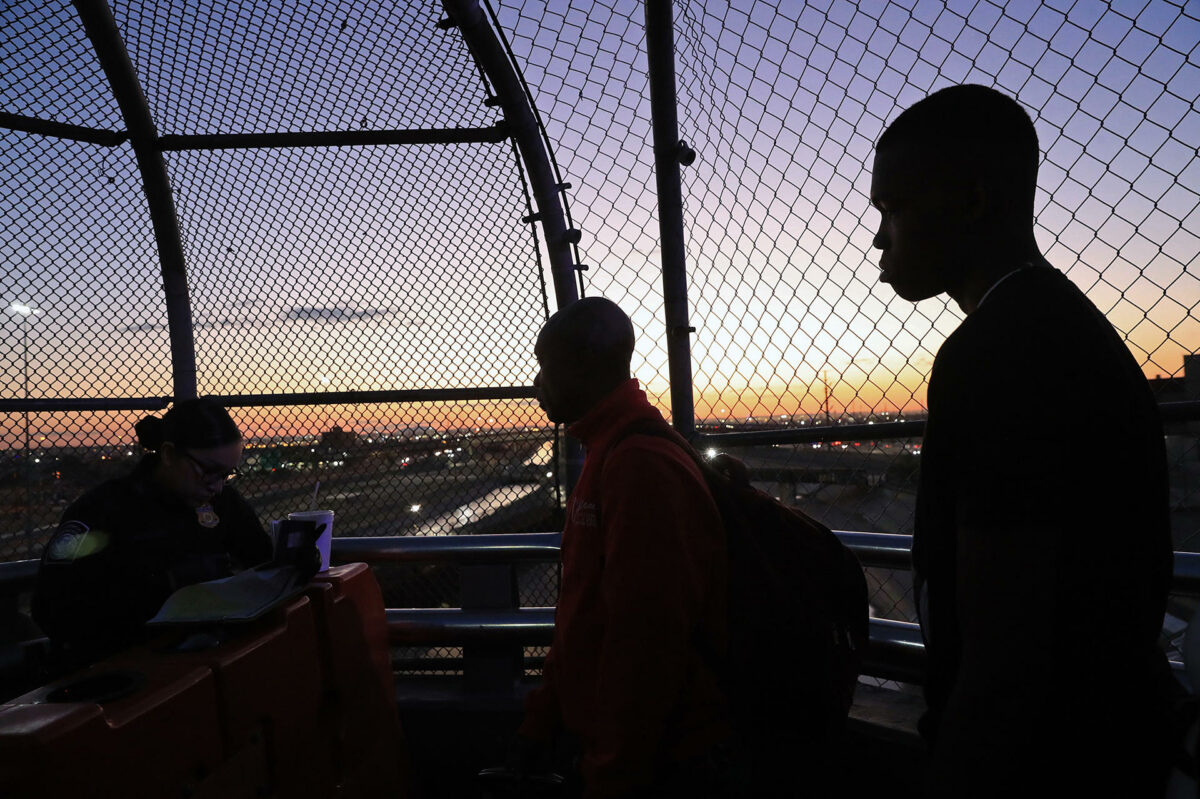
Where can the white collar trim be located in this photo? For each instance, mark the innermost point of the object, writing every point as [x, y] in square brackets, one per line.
[983, 299]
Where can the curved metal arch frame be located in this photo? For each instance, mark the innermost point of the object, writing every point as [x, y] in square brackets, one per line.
[101, 29]
[522, 122]
[490, 55]
[148, 147]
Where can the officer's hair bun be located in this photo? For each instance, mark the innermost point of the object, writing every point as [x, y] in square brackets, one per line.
[151, 432]
[190, 424]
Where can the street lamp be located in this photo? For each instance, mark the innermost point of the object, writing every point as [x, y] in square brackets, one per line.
[26, 312]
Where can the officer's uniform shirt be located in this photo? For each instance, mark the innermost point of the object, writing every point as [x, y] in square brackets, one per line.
[124, 547]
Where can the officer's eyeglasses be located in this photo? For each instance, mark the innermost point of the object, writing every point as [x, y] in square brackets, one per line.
[210, 473]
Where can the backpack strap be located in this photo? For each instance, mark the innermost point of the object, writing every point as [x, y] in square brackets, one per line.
[717, 484]
[727, 479]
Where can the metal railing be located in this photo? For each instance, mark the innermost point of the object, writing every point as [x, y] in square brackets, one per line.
[896, 650]
[895, 653]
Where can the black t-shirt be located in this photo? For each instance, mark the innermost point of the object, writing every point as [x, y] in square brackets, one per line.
[124, 547]
[1043, 475]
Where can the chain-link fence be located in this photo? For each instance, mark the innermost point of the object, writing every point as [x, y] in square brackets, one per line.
[783, 103]
[380, 268]
[412, 266]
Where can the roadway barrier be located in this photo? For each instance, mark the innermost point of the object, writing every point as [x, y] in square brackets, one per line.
[298, 703]
[106, 732]
[360, 725]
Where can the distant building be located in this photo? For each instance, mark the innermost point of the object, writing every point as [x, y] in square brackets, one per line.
[1180, 388]
[337, 438]
[1183, 443]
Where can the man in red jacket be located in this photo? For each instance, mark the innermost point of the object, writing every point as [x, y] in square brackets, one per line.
[643, 581]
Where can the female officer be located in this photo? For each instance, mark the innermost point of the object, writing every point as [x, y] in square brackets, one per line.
[126, 545]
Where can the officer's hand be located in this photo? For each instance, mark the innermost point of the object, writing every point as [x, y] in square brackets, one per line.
[308, 562]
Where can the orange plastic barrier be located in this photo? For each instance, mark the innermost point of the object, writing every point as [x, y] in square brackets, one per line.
[271, 697]
[364, 734]
[82, 749]
[298, 703]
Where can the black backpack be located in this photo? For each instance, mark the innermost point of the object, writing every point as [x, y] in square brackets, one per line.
[797, 610]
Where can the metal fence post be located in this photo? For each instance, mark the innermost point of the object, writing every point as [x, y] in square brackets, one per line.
[491, 668]
[669, 151]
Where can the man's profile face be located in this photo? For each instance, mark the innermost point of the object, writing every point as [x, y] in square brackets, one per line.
[918, 226]
[557, 382]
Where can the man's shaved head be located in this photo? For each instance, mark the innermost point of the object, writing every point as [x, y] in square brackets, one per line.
[595, 330]
[976, 131]
[584, 352]
[954, 180]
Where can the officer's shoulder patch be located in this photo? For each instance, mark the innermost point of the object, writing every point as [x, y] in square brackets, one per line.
[74, 540]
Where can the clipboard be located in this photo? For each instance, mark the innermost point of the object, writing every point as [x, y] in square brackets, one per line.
[248, 595]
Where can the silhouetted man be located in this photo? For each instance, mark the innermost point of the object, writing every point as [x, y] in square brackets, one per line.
[1041, 554]
[642, 590]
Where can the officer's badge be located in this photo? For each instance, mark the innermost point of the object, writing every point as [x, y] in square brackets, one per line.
[207, 516]
[74, 540]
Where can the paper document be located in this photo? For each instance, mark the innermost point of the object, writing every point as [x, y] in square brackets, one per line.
[242, 597]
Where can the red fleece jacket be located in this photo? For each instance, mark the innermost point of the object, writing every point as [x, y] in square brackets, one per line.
[643, 590]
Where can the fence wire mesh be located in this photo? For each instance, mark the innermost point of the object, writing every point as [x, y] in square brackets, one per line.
[409, 266]
[783, 103]
[309, 270]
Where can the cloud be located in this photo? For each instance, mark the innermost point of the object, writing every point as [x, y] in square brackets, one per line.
[301, 313]
[332, 314]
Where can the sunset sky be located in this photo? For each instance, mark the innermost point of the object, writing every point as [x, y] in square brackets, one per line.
[783, 107]
[408, 267]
